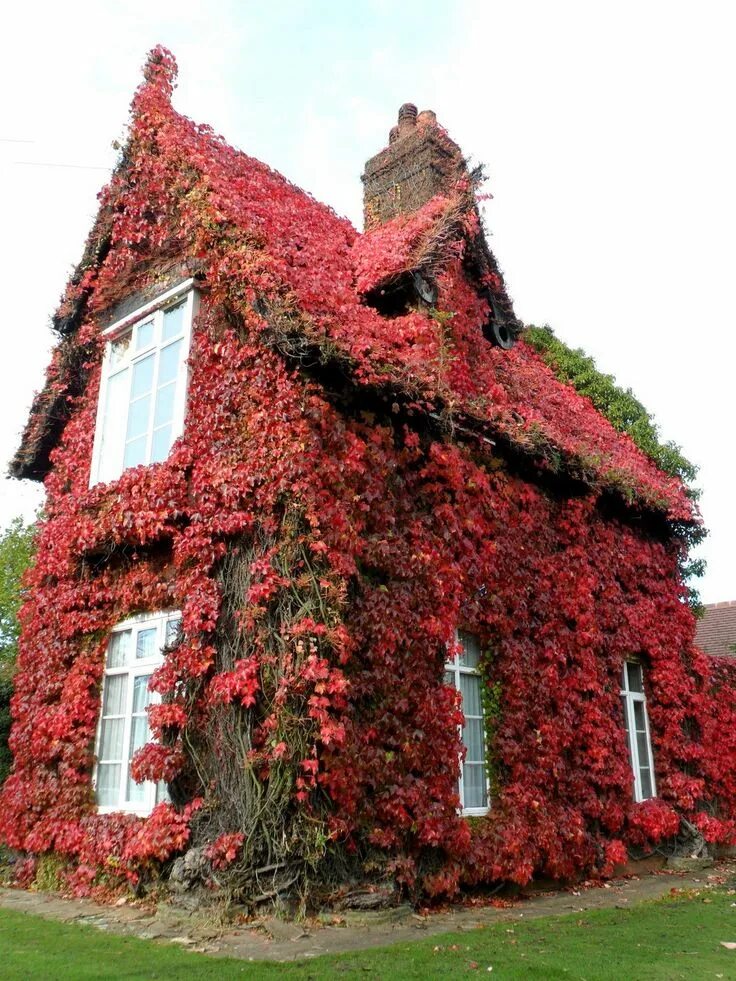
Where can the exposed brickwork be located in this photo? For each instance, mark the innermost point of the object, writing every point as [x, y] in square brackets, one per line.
[419, 162]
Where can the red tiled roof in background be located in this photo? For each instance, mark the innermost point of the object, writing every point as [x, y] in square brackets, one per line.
[716, 631]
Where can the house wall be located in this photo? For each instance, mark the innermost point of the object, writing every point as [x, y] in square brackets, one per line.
[359, 544]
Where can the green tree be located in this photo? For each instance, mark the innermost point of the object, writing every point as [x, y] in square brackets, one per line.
[16, 552]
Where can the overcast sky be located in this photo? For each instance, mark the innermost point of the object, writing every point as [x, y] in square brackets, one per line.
[606, 130]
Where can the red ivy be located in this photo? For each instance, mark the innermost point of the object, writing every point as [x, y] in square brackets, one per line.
[418, 534]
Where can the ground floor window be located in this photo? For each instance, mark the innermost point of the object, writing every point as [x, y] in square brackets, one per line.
[462, 672]
[637, 730]
[134, 651]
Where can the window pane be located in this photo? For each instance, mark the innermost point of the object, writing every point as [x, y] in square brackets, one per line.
[113, 426]
[470, 649]
[138, 416]
[118, 649]
[111, 739]
[140, 694]
[625, 703]
[474, 785]
[108, 784]
[174, 320]
[164, 411]
[142, 376]
[135, 452]
[138, 733]
[144, 335]
[474, 740]
[119, 349]
[168, 368]
[639, 717]
[642, 748]
[470, 688]
[627, 726]
[135, 792]
[647, 789]
[145, 645]
[161, 444]
[116, 687]
[636, 681]
[162, 792]
[172, 631]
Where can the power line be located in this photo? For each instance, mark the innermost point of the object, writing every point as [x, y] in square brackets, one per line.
[41, 163]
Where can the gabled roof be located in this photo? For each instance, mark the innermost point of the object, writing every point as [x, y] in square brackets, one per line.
[716, 630]
[279, 256]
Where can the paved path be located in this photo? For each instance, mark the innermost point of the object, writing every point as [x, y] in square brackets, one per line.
[279, 940]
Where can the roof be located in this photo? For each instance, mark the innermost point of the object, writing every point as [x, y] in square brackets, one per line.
[279, 255]
[716, 630]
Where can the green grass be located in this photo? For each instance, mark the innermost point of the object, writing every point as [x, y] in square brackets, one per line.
[677, 938]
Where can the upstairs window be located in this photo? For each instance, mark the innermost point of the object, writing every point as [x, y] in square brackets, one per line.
[637, 730]
[134, 651]
[143, 388]
[463, 673]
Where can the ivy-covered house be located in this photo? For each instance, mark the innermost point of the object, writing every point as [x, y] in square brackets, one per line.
[338, 580]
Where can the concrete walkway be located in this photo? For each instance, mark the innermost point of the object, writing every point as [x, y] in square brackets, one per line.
[281, 940]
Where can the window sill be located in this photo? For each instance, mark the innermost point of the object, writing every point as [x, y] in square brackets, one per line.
[143, 811]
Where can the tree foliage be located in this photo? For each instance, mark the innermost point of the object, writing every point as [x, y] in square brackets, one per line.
[16, 550]
[619, 405]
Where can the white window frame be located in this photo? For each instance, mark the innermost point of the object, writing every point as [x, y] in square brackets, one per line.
[455, 669]
[629, 699]
[144, 666]
[152, 311]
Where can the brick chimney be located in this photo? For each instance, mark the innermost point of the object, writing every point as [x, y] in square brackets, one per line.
[419, 162]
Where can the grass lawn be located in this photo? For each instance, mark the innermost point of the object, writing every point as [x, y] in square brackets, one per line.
[673, 938]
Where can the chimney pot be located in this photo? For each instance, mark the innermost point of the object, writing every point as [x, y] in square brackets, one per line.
[407, 118]
[426, 118]
[393, 134]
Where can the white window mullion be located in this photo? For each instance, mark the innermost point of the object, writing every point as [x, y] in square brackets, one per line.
[128, 394]
[461, 778]
[652, 776]
[126, 731]
[632, 746]
[100, 417]
[182, 381]
[157, 334]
